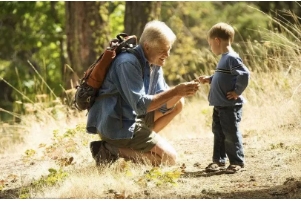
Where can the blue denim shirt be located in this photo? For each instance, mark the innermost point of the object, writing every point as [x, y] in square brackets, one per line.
[114, 116]
[230, 75]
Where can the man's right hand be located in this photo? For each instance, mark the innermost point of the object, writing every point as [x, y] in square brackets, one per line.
[173, 95]
[187, 88]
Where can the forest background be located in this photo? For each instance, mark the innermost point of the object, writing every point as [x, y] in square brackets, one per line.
[47, 45]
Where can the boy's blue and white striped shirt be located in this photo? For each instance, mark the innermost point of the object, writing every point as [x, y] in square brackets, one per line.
[230, 75]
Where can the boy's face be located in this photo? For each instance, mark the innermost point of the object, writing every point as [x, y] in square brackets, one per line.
[214, 44]
[158, 54]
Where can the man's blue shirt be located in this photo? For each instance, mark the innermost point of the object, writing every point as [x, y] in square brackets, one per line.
[114, 116]
[230, 75]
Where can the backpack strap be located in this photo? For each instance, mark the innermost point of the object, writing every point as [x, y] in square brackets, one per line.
[136, 53]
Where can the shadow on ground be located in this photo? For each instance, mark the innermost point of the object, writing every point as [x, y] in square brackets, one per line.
[291, 189]
[11, 193]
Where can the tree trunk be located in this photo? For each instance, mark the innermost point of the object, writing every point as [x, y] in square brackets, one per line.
[86, 36]
[55, 16]
[138, 13]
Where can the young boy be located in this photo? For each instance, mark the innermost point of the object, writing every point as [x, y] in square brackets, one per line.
[226, 86]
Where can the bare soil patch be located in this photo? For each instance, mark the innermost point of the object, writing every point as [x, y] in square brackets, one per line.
[272, 170]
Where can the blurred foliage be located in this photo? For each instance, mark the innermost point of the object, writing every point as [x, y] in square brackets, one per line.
[33, 34]
[30, 32]
[117, 10]
[191, 21]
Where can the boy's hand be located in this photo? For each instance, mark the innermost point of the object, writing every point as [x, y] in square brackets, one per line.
[203, 79]
[232, 95]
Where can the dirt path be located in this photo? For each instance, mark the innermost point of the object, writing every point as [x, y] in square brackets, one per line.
[271, 172]
[268, 174]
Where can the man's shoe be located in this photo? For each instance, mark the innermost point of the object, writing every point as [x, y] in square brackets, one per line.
[101, 154]
[94, 147]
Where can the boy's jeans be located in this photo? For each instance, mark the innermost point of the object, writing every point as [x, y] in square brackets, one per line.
[227, 137]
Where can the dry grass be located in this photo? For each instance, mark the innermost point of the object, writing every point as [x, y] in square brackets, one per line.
[271, 129]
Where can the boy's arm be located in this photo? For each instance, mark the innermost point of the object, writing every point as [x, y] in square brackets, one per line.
[204, 79]
[242, 79]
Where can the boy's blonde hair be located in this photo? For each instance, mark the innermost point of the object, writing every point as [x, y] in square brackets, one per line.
[156, 33]
[222, 30]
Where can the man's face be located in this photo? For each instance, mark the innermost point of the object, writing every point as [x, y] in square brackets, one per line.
[158, 54]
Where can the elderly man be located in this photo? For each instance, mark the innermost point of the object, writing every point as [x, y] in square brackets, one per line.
[128, 122]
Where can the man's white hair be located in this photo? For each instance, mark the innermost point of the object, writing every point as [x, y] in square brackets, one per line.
[157, 32]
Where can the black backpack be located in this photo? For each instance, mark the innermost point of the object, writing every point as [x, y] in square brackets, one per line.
[93, 78]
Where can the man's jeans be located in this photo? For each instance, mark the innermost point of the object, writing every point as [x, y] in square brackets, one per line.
[227, 137]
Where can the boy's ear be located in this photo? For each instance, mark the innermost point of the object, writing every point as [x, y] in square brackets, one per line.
[218, 40]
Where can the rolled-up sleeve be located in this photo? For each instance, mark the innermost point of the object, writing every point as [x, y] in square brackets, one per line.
[130, 84]
[161, 84]
[160, 87]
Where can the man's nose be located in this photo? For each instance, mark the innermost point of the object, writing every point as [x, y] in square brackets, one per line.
[167, 54]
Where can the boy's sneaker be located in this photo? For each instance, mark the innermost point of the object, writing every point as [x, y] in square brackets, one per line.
[101, 154]
[215, 166]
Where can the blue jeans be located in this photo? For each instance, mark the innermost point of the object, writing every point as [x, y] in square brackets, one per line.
[227, 137]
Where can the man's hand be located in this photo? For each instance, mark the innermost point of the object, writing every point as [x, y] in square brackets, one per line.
[232, 95]
[203, 79]
[187, 88]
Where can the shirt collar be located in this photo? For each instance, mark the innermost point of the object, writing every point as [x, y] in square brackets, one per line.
[140, 50]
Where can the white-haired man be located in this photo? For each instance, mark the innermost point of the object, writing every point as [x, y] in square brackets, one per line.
[128, 123]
